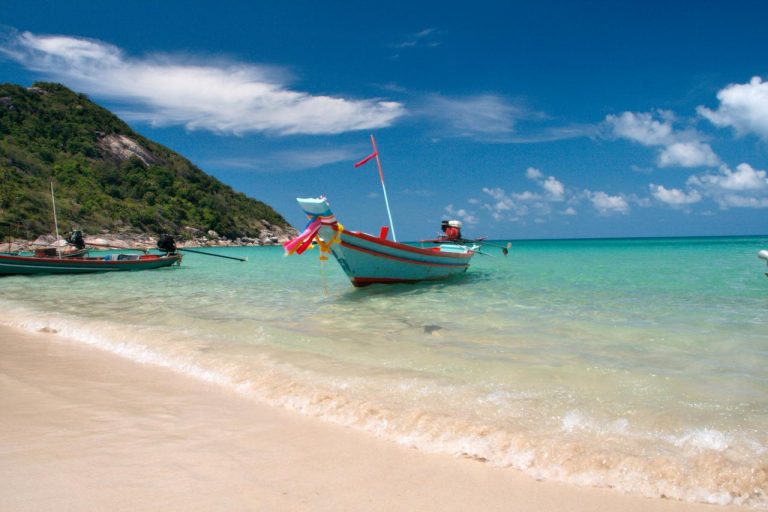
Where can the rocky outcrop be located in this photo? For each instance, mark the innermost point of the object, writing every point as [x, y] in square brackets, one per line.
[123, 148]
[273, 235]
[191, 238]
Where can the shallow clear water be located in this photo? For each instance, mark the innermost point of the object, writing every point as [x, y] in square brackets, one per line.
[638, 364]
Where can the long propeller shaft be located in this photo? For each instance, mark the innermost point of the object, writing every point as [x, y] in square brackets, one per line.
[212, 254]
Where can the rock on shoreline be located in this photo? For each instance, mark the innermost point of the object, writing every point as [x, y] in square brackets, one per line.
[270, 235]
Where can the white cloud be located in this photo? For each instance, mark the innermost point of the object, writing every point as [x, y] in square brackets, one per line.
[679, 148]
[283, 161]
[746, 187]
[555, 189]
[496, 193]
[533, 173]
[641, 127]
[688, 154]
[481, 116]
[607, 204]
[526, 196]
[492, 118]
[423, 38]
[75, 49]
[513, 206]
[502, 202]
[674, 196]
[550, 133]
[226, 98]
[642, 202]
[745, 178]
[504, 206]
[569, 211]
[744, 107]
[739, 201]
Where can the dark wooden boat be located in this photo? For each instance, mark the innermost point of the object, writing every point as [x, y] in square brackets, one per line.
[11, 264]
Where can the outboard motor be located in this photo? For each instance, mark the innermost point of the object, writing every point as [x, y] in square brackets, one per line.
[453, 231]
[167, 244]
[76, 238]
[763, 255]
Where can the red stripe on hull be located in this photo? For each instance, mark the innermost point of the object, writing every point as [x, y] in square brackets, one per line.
[12, 265]
[402, 247]
[82, 261]
[365, 281]
[397, 258]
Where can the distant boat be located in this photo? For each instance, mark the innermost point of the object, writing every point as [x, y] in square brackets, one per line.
[368, 259]
[11, 264]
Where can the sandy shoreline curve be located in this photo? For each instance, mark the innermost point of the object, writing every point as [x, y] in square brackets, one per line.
[83, 429]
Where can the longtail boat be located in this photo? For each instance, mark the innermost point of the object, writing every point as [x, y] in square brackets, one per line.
[12, 264]
[368, 259]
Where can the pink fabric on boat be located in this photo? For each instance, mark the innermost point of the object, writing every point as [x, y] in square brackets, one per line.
[300, 244]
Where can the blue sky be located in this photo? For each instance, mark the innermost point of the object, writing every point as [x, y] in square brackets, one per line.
[524, 120]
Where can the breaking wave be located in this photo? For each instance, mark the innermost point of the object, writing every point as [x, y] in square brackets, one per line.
[534, 432]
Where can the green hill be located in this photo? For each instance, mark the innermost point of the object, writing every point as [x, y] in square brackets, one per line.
[107, 177]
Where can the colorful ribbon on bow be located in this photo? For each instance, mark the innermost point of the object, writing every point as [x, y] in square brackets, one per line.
[304, 241]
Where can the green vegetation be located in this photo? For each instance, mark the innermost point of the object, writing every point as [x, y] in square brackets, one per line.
[103, 181]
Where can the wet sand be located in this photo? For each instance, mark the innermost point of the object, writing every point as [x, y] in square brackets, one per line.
[82, 429]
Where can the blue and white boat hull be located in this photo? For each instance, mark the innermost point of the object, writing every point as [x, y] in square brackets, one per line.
[367, 259]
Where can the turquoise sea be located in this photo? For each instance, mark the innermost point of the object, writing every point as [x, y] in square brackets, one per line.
[638, 364]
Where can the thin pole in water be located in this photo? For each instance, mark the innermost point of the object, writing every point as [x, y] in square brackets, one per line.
[212, 254]
[384, 188]
[55, 220]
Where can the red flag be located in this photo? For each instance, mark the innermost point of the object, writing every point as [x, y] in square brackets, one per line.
[366, 159]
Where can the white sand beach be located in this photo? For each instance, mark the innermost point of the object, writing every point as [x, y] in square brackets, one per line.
[82, 429]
